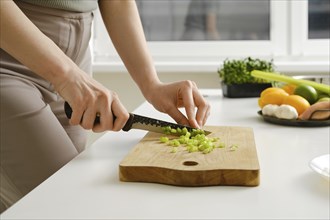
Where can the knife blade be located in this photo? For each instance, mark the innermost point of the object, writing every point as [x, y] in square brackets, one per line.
[141, 122]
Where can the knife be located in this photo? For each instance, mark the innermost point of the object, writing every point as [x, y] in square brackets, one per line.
[136, 121]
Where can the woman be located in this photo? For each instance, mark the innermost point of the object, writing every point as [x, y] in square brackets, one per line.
[201, 21]
[45, 59]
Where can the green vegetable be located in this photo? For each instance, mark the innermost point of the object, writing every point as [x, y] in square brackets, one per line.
[207, 150]
[196, 141]
[239, 71]
[287, 79]
[233, 147]
[221, 145]
[174, 143]
[192, 149]
[164, 139]
[167, 130]
[174, 150]
[183, 131]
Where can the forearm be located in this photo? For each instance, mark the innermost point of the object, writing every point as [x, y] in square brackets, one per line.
[122, 21]
[211, 27]
[25, 42]
[211, 22]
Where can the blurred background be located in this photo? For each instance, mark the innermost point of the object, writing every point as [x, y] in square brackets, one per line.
[190, 39]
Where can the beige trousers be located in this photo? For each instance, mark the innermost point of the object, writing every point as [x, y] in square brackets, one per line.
[36, 138]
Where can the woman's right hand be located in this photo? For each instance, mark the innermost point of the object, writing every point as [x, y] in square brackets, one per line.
[26, 43]
[88, 98]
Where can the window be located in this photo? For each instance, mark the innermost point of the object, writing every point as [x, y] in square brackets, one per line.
[318, 19]
[310, 28]
[205, 20]
[196, 35]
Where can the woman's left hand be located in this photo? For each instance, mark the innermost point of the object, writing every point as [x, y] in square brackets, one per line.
[167, 98]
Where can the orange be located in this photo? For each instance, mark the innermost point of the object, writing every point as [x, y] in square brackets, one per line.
[275, 98]
[271, 89]
[298, 102]
[261, 103]
[272, 95]
[289, 88]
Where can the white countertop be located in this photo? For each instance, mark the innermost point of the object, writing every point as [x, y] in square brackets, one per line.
[89, 188]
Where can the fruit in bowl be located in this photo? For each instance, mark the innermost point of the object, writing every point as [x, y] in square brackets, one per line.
[276, 102]
[308, 92]
[317, 111]
[310, 99]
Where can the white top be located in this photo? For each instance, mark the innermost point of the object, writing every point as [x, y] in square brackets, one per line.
[89, 188]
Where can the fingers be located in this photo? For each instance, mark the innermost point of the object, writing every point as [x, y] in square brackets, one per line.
[178, 116]
[203, 108]
[121, 115]
[192, 99]
[187, 93]
[77, 114]
[203, 112]
[107, 106]
[112, 118]
[88, 118]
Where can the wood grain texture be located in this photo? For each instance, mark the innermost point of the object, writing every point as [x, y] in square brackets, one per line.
[152, 161]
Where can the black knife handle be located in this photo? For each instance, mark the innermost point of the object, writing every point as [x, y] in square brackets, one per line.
[127, 127]
[68, 112]
[129, 123]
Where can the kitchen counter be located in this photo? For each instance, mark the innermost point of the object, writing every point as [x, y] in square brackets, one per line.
[89, 188]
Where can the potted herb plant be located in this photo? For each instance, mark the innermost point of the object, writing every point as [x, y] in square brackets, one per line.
[236, 78]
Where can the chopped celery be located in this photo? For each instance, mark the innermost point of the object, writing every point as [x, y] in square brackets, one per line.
[207, 150]
[194, 141]
[174, 150]
[233, 147]
[164, 139]
[173, 131]
[221, 145]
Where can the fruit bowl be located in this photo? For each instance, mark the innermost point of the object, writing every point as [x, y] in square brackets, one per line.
[295, 122]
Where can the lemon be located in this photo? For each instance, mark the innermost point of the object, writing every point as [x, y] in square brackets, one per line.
[324, 99]
[272, 95]
[275, 98]
[298, 102]
[308, 92]
[271, 89]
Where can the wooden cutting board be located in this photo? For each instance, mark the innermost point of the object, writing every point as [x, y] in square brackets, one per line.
[152, 161]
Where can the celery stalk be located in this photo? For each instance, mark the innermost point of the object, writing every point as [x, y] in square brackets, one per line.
[287, 79]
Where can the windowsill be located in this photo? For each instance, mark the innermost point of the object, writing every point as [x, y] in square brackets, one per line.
[289, 67]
